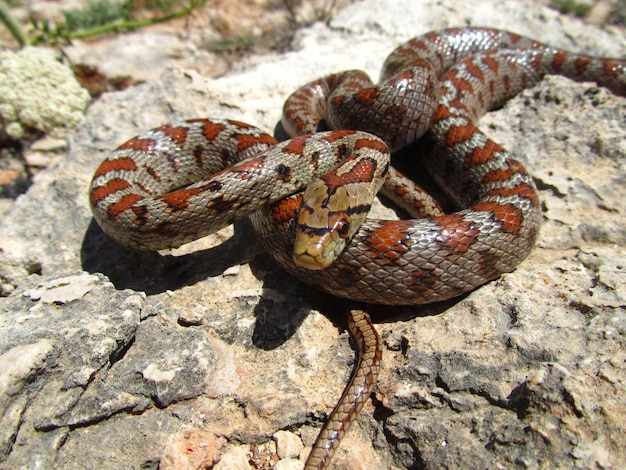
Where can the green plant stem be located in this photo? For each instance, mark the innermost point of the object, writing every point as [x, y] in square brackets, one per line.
[12, 26]
[121, 25]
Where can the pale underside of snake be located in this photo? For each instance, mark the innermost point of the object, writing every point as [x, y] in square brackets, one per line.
[185, 180]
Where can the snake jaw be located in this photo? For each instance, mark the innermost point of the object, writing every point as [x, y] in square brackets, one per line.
[317, 248]
[314, 255]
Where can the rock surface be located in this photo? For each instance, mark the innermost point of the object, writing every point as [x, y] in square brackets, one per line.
[207, 354]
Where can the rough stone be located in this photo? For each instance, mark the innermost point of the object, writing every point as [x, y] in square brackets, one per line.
[288, 445]
[289, 464]
[234, 457]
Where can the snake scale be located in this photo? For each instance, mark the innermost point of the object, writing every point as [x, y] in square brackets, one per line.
[187, 179]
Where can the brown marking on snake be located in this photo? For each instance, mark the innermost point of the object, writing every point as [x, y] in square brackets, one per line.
[507, 83]
[442, 112]
[221, 204]
[488, 266]
[391, 242]
[283, 173]
[508, 216]
[295, 146]
[366, 97]
[177, 134]
[559, 60]
[99, 193]
[481, 155]
[337, 135]
[153, 173]
[140, 145]
[116, 164]
[362, 172]
[522, 191]
[474, 70]
[211, 131]
[198, 155]
[461, 85]
[581, 65]
[612, 69]
[179, 200]
[458, 134]
[248, 170]
[377, 145]
[285, 210]
[246, 141]
[491, 63]
[124, 204]
[457, 234]
[502, 173]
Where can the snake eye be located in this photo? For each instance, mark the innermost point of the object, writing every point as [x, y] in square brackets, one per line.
[342, 228]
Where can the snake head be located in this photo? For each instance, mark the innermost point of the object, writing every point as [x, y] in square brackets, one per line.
[326, 222]
[336, 204]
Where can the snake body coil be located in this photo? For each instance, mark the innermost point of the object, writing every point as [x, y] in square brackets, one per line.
[184, 180]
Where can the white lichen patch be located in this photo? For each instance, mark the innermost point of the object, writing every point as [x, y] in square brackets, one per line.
[38, 92]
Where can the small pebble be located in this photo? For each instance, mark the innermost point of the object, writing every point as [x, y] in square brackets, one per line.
[289, 464]
[233, 458]
[288, 444]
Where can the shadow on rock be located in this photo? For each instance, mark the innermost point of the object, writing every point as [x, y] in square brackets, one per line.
[154, 273]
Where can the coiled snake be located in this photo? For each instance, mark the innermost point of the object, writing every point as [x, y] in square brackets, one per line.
[184, 180]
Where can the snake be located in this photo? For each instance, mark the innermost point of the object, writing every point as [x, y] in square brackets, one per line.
[308, 197]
